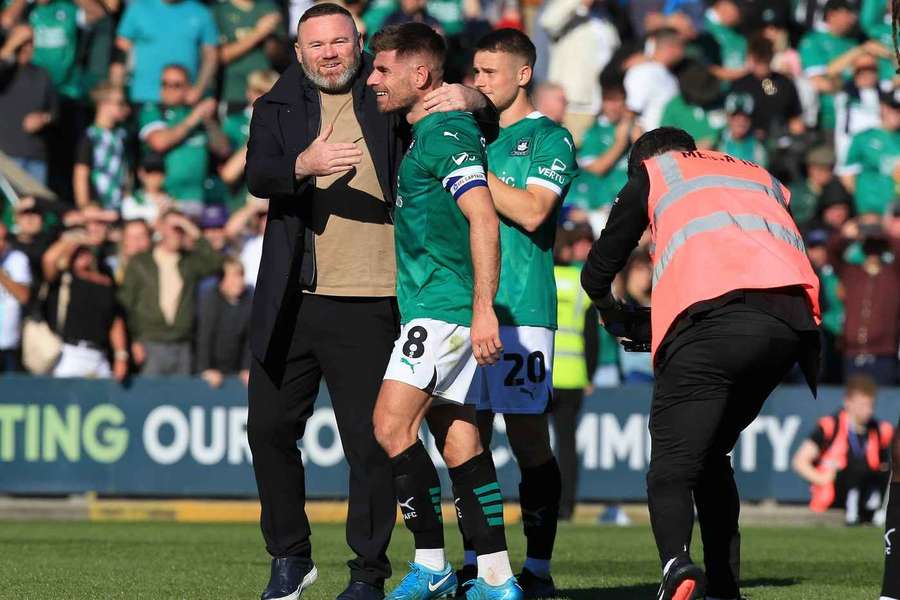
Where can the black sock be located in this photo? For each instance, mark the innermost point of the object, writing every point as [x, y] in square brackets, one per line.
[890, 585]
[539, 494]
[479, 504]
[418, 491]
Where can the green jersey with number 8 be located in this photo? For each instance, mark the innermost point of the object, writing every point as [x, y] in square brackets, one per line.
[532, 151]
[434, 263]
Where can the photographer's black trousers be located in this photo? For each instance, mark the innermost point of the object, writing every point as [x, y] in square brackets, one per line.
[346, 342]
[711, 383]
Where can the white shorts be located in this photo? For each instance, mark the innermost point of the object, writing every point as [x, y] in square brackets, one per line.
[522, 382]
[436, 357]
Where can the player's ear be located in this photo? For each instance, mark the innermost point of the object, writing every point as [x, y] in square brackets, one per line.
[422, 76]
[525, 74]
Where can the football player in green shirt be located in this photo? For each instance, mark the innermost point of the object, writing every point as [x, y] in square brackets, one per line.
[872, 167]
[448, 261]
[531, 166]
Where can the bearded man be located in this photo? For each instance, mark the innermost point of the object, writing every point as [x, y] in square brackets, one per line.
[324, 305]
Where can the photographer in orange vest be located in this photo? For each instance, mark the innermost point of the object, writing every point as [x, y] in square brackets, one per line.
[846, 456]
[734, 307]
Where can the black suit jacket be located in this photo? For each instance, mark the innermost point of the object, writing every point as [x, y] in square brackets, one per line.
[285, 121]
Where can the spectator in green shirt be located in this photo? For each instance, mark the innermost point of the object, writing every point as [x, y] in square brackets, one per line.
[244, 26]
[809, 195]
[722, 21]
[830, 301]
[698, 108]
[237, 129]
[185, 135]
[828, 55]
[873, 160]
[737, 139]
[603, 155]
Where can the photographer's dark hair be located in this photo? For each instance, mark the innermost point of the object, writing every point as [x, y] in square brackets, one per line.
[409, 39]
[656, 142]
[510, 41]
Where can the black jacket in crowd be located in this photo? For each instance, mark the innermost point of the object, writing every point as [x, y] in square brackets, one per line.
[285, 121]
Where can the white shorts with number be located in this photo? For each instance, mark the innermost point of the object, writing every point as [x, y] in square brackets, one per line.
[521, 382]
[434, 356]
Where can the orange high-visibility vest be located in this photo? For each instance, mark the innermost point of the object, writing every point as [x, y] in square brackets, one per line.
[834, 457]
[719, 224]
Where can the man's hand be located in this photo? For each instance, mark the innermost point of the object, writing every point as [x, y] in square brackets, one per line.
[485, 334]
[453, 96]
[35, 121]
[268, 23]
[204, 111]
[245, 377]
[825, 476]
[213, 377]
[138, 353]
[17, 36]
[323, 158]
[120, 369]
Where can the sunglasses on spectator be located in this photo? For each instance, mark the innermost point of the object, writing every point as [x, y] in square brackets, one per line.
[174, 84]
[866, 69]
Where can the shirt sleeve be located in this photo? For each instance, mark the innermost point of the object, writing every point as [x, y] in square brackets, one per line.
[18, 268]
[209, 33]
[552, 162]
[457, 158]
[149, 120]
[818, 437]
[84, 154]
[811, 59]
[626, 224]
[129, 25]
[853, 163]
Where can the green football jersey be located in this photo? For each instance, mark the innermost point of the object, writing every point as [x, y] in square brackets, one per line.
[234, 23]
[733, 45]
[704, 125]
[236, 128]
[872, 157]
[55, 26]
[597, 140]
[187, 163]
[446, 158]
[531, 151]
[748, 148]
[817, 50]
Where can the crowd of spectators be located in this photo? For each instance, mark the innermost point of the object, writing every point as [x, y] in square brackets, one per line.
[135, 116]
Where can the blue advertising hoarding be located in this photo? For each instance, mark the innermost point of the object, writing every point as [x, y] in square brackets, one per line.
[177, 437]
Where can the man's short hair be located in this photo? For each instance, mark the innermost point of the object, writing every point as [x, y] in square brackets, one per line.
[656, 142]
[510, 41]
[761, 49]
[666, 35]
[410, 39]
[104, 90]
[177, 67]
[861, 384]
[324, 9]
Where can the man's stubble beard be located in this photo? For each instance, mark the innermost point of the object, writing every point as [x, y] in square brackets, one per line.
[338, 84]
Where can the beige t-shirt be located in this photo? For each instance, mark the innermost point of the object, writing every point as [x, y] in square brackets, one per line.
[170, 283]
[354, 235]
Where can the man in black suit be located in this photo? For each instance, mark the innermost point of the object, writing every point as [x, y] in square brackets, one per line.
[324, 303]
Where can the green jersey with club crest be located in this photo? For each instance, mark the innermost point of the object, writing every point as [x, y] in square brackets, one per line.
[532, 151]
[446, 158]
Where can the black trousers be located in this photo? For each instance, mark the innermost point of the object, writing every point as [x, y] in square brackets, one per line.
[565, 410]
[347, 341]
[710, 385]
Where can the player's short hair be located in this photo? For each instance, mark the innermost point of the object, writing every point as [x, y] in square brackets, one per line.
[510, 41]
[104, 90]
[658, 141]
[861, 384]
[410, 39]
[761, 49]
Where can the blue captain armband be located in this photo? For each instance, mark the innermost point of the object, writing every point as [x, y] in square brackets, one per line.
[462, 180]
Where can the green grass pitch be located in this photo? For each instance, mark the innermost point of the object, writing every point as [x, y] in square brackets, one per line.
[82, 560]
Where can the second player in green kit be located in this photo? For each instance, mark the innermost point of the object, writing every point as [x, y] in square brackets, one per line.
[531, 164]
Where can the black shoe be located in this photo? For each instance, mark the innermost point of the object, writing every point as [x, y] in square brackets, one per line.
[683, 580]
[535, 587]
[463, 577]
[360, 590]
[290, 576]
